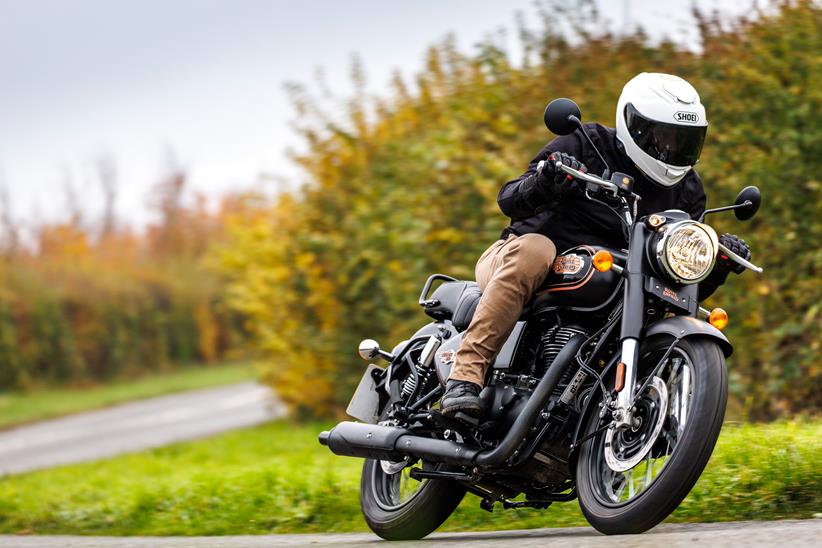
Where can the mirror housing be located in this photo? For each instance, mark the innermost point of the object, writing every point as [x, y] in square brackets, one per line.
[562, 116]
[753, 197]
[370, 349]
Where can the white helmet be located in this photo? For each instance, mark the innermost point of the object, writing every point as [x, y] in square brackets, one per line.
[662, 125]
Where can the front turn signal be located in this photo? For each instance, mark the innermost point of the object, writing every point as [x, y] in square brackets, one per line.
[718, 318]
[603, 260]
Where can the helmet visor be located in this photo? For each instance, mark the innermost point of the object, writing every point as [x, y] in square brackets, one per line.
[672, 144]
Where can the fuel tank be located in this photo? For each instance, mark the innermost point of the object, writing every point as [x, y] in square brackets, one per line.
[574, 283]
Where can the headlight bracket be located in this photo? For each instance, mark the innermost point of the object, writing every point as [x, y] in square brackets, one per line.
[683, 298]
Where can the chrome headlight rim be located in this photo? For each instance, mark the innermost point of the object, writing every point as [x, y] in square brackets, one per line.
[662, 247]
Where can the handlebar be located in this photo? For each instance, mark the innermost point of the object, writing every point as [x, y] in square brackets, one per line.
[588, 178]
[581, 175]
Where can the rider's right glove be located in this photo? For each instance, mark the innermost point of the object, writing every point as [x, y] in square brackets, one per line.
[555, 181]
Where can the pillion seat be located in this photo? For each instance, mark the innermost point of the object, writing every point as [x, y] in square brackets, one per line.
[455, 300]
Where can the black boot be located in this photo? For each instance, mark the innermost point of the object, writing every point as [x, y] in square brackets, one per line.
[461, 397]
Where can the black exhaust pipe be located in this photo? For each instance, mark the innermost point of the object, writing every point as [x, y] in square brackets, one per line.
[372, 441]
[353, 439]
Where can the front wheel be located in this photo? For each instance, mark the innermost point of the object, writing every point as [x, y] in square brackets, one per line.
[398, 507]
[629, 481]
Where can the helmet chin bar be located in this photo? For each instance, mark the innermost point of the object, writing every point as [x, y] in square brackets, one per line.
[668, 183]
[676, 172]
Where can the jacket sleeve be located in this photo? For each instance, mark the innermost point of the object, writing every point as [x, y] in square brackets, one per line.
[710, 284]
[695, 207]
[522, 197]
[696, 200]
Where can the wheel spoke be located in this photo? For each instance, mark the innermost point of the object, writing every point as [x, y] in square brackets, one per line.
[395, 490]
[648, 472]
[621, 489]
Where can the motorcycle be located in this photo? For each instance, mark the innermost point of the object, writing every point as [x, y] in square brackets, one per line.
[611, 388]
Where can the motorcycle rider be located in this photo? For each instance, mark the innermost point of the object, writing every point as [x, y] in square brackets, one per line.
[660, 130]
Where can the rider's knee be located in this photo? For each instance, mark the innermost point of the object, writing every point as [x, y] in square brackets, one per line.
[536, 252]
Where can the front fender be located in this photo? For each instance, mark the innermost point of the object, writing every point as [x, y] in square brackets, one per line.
[682, 327]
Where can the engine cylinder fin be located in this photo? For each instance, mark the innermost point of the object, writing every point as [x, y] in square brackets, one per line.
[553, 341]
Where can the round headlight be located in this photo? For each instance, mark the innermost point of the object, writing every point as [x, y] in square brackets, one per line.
[687, 251]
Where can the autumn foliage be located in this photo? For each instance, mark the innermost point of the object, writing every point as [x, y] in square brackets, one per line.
[86, 302]
[399, 187]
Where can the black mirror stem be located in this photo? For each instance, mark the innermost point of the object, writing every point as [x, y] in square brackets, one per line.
[746, 203]
[605, 174]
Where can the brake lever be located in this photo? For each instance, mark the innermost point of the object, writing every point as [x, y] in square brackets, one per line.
[739, 260]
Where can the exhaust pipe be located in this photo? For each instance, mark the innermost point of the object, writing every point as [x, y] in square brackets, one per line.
[372, 441]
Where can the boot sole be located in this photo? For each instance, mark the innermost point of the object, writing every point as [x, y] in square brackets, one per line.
[472, 409]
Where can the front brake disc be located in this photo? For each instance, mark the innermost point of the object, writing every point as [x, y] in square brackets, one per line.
[614, 441]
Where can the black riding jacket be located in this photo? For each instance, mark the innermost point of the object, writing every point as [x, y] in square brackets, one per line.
[571, 220]
[574, 220]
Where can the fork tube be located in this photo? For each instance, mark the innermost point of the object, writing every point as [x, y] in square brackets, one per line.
[632, 319]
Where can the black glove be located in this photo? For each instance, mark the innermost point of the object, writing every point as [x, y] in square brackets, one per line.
[555, 181]
[738, 246]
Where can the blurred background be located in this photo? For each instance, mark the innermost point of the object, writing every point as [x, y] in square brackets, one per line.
[202, 195]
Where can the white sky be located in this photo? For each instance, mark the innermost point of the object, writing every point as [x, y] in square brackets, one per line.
[79, 78]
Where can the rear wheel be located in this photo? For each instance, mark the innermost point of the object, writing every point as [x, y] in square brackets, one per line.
[629, 481]
[398, 507]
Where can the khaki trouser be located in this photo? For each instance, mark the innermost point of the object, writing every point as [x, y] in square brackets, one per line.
[508, 273]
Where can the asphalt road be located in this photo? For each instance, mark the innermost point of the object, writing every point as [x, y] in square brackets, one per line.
[796, 534]
[135, 426]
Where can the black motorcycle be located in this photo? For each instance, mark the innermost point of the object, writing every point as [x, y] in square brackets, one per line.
[611, 388]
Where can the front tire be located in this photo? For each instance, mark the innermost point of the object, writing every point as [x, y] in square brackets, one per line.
[668, 473]
[395, 515]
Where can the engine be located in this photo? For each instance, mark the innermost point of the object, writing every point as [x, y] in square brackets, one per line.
[510, 389]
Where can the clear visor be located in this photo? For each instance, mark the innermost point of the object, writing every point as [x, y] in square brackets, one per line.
[672, 144]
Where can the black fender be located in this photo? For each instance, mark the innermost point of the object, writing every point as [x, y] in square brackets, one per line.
[684, 327]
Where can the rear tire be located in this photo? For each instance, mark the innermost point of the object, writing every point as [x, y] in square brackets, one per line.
[412, 519]
[684, 464]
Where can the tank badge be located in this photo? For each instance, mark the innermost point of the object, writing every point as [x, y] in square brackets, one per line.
[567, 264]
[447, 357]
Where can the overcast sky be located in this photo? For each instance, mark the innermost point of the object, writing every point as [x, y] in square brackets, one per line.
[81, 78]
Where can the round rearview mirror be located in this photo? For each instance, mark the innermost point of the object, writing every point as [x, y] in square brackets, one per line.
[751, 196]
[557, 115]
[369, 349]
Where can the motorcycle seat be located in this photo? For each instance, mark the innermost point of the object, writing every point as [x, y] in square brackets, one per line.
[457, 301]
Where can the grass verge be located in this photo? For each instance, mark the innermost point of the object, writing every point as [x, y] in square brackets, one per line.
[22, 407]
[275, 478]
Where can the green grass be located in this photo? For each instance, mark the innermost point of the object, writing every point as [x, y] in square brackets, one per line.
[276, 478]
[22, 407]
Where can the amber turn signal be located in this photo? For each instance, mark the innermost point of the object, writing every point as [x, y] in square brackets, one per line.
[718, 318]
[603, 260]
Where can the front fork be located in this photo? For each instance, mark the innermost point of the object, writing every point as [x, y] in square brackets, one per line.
[632, 320]
[625, 384]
